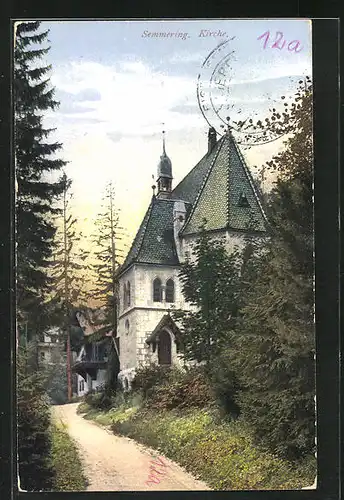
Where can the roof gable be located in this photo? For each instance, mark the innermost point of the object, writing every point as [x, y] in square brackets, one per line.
[154, 241]
[226, 184]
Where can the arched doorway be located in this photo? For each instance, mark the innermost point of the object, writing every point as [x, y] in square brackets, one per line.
[164, 348]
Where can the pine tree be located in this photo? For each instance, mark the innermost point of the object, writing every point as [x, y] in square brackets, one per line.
[273, 347]
[210, 283]
[35, 158]
[68, 272]
[108, 255]
[34, 439]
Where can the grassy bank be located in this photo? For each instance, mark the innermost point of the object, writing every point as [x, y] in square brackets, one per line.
[216, 451]
[66, 461]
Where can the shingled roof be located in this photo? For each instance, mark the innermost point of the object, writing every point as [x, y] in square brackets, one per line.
[189, 187]
[227, 197]
[154, 241]
[219, 189]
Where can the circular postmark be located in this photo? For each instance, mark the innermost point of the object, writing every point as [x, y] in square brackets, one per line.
[222, 96]
[213, 84]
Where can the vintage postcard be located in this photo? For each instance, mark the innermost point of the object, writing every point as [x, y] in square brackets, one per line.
[165, 259]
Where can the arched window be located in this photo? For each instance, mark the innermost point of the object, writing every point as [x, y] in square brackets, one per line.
[126, 327]
[124, 296]
[128, 294]
[170, 290]
[157, 290]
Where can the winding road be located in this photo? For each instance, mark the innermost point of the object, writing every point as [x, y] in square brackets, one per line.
[116, 463]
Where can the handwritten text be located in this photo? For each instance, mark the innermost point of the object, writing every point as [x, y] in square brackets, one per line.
[279, 42]
[157, 471]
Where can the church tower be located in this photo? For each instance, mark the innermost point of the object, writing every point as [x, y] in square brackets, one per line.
[164, 179]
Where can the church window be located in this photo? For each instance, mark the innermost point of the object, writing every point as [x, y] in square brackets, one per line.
[128, 294]
[157, 290]
[124, 295]
[126, 327]
[170, 290]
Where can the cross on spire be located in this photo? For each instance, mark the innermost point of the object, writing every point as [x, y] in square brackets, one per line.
[228, 126]
[163, 140]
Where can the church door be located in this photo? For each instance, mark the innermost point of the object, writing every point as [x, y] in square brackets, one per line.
[164, 348]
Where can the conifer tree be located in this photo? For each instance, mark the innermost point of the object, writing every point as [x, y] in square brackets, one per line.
[34, 159]
[210, 283]
[34, 439]
[108, 242]
[35, 195]
[273, 347]
[68, 272]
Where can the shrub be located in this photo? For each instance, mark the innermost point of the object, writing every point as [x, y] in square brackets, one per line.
[190, 389]
[99, 400]
[34, 437]
[225, 385]
[148, 377]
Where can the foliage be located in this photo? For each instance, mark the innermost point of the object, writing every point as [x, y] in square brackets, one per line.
[34, 439]
[273, 349]
[69, 262]
[210, 283]
[76, 337]
[99, 400]
[148, 377]
[68, 273]
[225, 384]
[35, 160]
[280, 122]
[56, 382]
[108, 253]
[66, 461]
[107, 240]
[190, 389]
[222, 455]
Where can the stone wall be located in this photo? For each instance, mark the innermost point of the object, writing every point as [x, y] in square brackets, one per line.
[143, 314]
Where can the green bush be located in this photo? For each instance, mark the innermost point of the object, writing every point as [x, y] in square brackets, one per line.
[225, 385]
[148, 377]
[189, 389]
[66, 462]
[34, 437]
[99, 400]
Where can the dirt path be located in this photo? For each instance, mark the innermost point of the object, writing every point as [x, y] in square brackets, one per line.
[115, 463]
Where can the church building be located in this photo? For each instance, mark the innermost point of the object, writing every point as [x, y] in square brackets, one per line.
[219, 189]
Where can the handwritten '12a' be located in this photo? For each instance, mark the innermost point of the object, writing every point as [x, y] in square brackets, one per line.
[279, 42]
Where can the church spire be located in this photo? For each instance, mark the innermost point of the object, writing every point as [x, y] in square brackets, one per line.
[163, 143]
[164, 179]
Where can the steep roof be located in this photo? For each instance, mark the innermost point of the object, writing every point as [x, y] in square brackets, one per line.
[219, 188]
[189, 187]
[154, 241]
[227, 197]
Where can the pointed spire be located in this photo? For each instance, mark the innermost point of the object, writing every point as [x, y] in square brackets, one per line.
[164, 177]
[228, 126]
[163, 143]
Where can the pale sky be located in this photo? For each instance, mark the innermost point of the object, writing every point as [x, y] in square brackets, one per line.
[117, 86]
